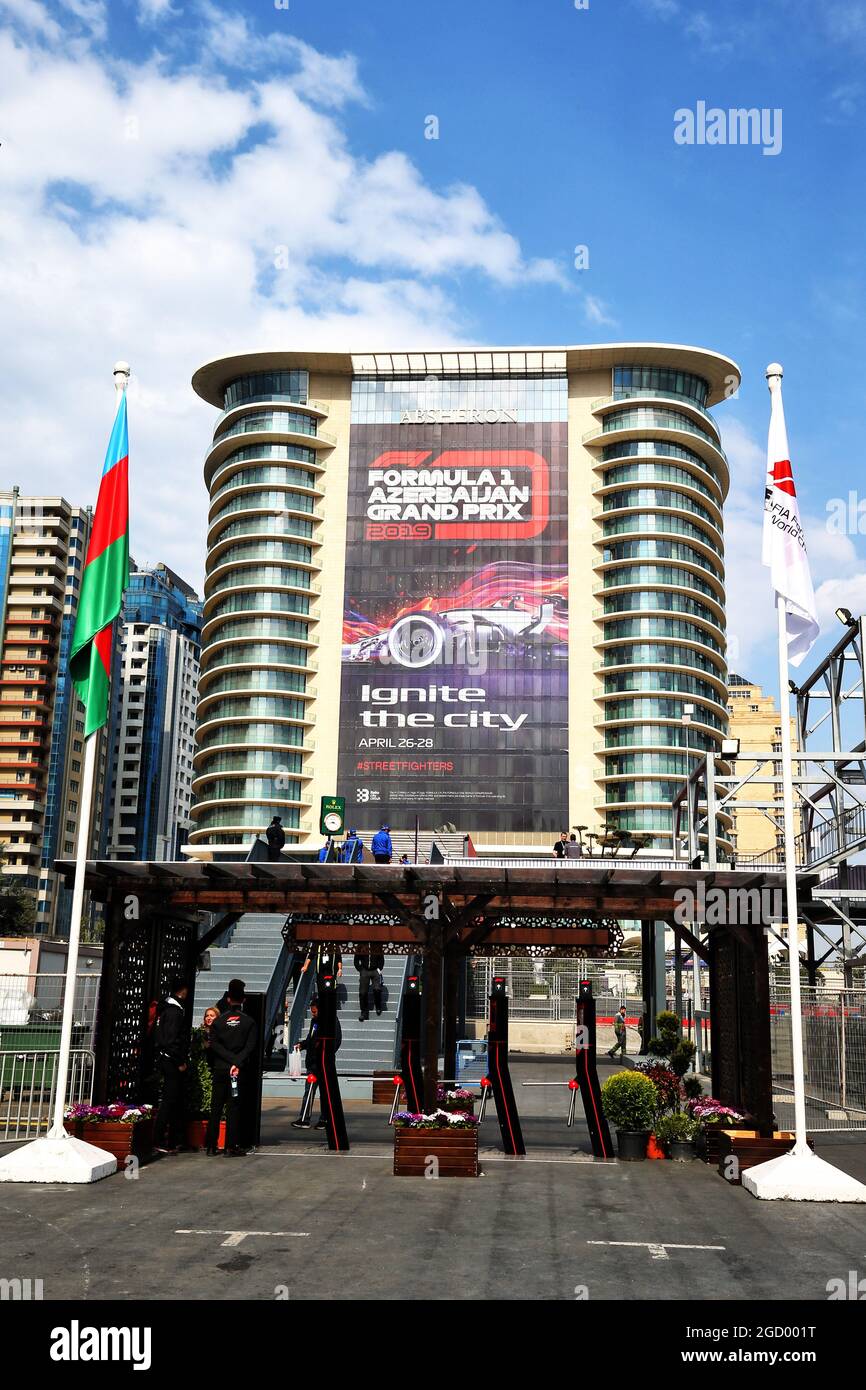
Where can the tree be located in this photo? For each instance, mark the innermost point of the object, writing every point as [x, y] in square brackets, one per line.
[17, 905]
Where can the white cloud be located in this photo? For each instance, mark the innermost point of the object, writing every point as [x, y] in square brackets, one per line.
[143, 209]
[32, 17]
[318, 77]
[597, 312]
[849, 592]
[151, 11]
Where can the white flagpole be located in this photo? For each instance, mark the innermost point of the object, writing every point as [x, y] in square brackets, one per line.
[797, 1175]
[57, 1156]
[57, 1130]
[800, 1145]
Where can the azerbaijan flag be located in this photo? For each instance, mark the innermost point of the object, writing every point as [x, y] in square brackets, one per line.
[106, 575]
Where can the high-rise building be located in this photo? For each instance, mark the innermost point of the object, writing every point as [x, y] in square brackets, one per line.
[478, 586]
[160, 634]
[43, 542]
[756, 722]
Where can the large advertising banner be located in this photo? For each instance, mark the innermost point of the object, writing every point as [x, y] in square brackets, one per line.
[454, 698]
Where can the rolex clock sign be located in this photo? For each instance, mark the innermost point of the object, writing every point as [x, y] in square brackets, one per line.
[332, 816]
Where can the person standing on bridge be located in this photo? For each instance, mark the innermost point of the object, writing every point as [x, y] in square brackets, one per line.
[352, 849]
[381, 845]
[370, 965]
[276, 838]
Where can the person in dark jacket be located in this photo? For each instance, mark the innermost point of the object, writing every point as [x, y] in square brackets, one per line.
[381, 845]
[369, 965]
[276, 838]
[560, 848]
[172, 1057]
[308, 1047]
[236, 990]
[232, 1043]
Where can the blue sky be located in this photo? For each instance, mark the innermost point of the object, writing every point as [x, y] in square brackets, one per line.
[153, 156]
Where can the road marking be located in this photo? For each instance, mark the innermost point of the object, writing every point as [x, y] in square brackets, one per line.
[235, 1237]
[657, 1250]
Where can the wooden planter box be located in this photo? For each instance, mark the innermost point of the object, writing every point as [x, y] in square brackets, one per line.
[455, 1149]
[383, 1089]
[749, 1149]
[118, 1139]
[709, 1145]
[196, 1134]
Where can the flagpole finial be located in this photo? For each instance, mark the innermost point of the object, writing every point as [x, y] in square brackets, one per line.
[774, 374]
[121, 376]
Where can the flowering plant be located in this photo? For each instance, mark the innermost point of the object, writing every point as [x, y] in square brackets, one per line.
[455, 1097]
[711, 1112]
[117, 1113]
[440, 1119]
[667, 1083]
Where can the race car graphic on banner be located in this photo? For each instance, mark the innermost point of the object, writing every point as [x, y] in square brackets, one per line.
[454, 699]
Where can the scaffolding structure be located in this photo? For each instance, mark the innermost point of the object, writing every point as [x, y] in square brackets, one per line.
[830, 806]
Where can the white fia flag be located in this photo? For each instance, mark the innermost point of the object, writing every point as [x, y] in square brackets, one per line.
[784, 545]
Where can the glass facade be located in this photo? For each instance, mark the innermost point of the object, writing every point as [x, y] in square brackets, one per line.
[267, 386]
[280, 421]
[652, 418]
[665, 490]
[643, 381]
[253, 693]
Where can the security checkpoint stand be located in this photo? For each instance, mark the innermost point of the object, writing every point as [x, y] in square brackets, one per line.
[499, 1075]
[586, 1073]
[325, 1067]
[411, 1073]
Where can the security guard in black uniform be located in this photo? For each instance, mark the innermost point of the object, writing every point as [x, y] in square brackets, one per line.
[232, 1042]
[172, 1058]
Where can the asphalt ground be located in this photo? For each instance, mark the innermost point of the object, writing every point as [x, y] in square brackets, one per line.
[294, 1222]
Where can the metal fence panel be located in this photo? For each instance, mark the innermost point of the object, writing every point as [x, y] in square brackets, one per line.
[28, 1082]
[834, 1057]
[31, 1007]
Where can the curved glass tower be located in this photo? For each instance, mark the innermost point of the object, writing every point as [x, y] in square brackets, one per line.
[661, 481]
[486, 586]
[263, 473]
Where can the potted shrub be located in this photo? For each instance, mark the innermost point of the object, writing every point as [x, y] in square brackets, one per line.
[448, 1136]
[629, 1100]
[199, 1088]
[119, 1128]
[670, 1044]
[668, 1096]
[677, 1134]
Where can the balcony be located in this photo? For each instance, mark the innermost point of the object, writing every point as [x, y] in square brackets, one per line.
[642, 396]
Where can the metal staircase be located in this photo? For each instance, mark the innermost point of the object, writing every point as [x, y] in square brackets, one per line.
[253, 953]
[369, 1046]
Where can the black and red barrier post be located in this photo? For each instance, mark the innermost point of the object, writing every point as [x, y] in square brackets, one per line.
[410, 1047]
[586, 1072]
[330, 1100]
[498, 1072]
